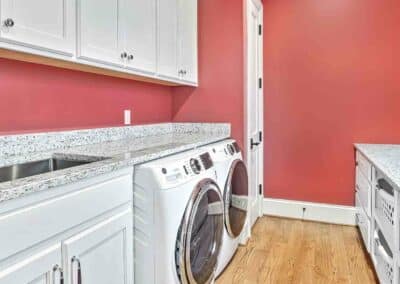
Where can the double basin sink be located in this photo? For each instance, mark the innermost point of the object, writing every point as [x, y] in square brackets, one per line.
[13, 172]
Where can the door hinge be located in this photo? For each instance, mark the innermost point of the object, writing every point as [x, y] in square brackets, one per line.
[260, 83]
[260, 136]
[260, 189]
[259, 29]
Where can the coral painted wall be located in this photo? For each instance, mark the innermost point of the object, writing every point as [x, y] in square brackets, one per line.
[35, 98]
[332, 71]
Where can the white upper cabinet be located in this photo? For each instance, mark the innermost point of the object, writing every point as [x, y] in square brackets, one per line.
[140, 27]
[154, 39]
[100, 31]
[44, 24]
[187, 41]
[177, 40]
[167, 65]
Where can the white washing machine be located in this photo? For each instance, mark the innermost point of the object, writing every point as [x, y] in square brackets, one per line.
[179, 222]
[232, 179]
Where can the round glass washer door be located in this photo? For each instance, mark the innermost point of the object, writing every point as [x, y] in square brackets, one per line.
[200, 235]
[236, 196]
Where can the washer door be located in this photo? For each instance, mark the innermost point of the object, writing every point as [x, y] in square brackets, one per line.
[236, 196]
[200, 235]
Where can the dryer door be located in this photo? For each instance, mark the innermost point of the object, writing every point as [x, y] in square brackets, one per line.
[200, 235]
[236, 196]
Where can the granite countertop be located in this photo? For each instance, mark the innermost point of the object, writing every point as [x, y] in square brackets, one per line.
[384, 157]
[111, 149]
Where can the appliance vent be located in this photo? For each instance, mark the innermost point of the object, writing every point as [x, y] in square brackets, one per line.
[206, 160]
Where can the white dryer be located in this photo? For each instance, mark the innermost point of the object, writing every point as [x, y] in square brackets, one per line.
[232, 179]
[178, 220]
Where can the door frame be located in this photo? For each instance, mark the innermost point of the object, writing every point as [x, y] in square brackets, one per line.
[247, 135]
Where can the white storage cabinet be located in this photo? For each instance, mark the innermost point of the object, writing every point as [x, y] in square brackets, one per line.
[154, 39]
[46, 25]
[377, 203]
[80, 231]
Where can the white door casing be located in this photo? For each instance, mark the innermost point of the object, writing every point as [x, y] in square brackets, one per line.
[254, 108]
[41, 24]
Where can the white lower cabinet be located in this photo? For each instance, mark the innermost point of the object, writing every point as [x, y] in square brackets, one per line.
[82, 234]
[377, 203]
[43, 267]
[102, 254]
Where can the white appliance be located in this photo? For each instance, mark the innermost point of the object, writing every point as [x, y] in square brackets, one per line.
[179, 223]
[232, 179]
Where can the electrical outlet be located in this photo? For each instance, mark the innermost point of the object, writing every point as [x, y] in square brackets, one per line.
[127, 117]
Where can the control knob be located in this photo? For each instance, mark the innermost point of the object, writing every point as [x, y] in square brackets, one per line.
[195, 166]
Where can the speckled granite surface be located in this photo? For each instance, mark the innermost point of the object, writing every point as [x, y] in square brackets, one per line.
[385, 158]
[120, 146]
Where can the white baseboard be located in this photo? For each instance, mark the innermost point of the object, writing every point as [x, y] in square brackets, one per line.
[327, 213]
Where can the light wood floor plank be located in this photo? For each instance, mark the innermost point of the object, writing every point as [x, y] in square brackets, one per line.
[294, 251]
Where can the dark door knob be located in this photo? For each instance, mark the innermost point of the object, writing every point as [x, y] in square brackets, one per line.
[9, 23]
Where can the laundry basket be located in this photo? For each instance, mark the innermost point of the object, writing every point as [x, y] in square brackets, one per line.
[385, 209]
[383, 258]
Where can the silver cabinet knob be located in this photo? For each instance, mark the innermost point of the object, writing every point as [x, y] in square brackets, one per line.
[184, 72]
[9, 22]
[124, 55]
[130, 57]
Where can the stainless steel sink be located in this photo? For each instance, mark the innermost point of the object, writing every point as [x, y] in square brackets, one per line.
[14, 172]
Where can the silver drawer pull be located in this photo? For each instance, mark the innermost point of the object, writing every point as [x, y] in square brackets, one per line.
[78, 262]
[383, 193]
[61, 273]
[381, 249]
[383, 185]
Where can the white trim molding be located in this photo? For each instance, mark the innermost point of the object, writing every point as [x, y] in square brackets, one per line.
[327, 213]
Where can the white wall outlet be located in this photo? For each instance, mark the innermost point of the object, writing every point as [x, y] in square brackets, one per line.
[127, 117]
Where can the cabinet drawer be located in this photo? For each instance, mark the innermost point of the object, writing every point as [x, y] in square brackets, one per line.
[364, 224]
[384, 209]
[382, 257]
[39, 222]
[364, 190]
[364, 165]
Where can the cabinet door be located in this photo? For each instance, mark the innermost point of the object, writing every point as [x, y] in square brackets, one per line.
[187, 41]
[43, 267]
[140, 25]
[44, 24]
[100, 31]
[103, 254]
[167, 63]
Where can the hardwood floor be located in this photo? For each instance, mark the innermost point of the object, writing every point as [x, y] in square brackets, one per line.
[295, 251]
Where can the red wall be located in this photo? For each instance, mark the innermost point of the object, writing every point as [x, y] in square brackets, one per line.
[35, 97]
[332, 78]
[220, 95]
